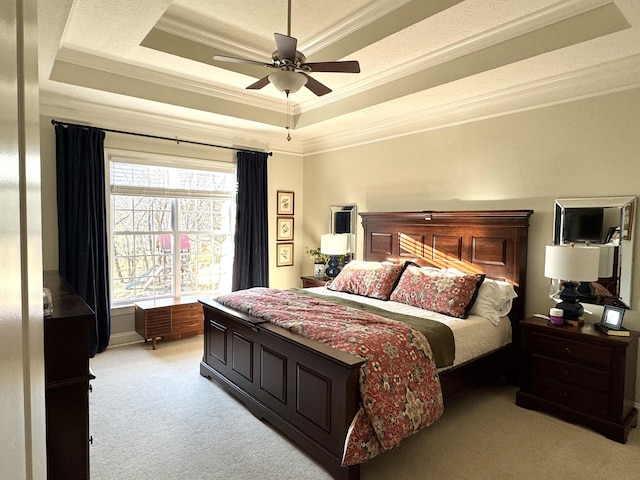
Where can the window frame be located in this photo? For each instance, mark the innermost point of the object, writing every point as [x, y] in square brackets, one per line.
[152, 159]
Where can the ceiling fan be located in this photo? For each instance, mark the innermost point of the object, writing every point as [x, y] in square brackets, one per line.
[292, 69]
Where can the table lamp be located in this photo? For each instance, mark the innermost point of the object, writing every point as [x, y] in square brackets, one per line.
[572, 265]
[333, 245]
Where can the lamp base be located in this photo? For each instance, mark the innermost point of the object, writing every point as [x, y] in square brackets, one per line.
[572, 310]
[333, 268]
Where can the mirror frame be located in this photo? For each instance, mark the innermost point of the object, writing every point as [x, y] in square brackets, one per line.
[353, 224]
[627, 206]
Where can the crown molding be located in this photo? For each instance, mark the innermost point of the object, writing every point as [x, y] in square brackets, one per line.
[363, 17]
[508, 31]
[603, 79]
[107, 65]
[615, 76]
[66, 108]
[180, 27]
[175, 24]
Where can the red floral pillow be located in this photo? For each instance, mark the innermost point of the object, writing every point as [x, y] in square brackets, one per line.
[369, 279]
[440, 291]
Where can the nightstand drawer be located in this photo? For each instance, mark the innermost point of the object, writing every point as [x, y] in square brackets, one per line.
[574, 351]
[591, 378]
[571, 396]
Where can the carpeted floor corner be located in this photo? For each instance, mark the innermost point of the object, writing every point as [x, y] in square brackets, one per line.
[152, 416]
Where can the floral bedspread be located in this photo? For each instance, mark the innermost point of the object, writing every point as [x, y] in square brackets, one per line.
[399, 384]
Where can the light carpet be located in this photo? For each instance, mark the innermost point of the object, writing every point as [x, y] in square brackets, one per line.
[154, 417]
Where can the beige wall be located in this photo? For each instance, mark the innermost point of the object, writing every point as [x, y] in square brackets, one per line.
[285, 173]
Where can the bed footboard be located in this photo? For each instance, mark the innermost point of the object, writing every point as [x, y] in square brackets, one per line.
[305, 389]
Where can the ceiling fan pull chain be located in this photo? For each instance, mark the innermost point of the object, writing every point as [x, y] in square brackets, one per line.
[288, 118]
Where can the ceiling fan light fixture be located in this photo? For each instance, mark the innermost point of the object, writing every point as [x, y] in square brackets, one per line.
[288, 81]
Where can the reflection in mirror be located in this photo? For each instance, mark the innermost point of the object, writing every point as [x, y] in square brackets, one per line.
[606, 222]
[344, 220]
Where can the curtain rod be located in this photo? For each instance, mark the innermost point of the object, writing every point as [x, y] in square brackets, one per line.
[177, 140]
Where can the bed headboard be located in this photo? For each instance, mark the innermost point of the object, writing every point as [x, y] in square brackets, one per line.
[493, 242]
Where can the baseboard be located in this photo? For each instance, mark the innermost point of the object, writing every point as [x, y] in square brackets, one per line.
[123, 338]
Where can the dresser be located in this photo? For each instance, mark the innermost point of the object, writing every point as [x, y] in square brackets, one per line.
[67, 377]
[169, 318]
[580, 375]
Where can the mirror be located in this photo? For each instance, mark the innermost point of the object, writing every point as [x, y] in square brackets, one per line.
[606, 222]
[344, 220]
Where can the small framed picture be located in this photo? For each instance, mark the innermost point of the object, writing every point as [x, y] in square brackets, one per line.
[613, 235]
[285, 203]
[627, 221]
[285, 229]
[612, 317]
[284, 252]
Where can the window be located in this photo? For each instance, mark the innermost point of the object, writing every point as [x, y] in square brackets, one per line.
[171, 229]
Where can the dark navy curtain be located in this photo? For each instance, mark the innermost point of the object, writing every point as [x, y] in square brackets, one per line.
[251, 261]
[82, 223]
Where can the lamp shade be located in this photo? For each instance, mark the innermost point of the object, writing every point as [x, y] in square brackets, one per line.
[288, 80]
[565, 262]
[331, 244]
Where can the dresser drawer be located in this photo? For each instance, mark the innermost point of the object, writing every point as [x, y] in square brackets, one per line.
[190, 311]
[570, 350]
[571, 396]
[579, 375]
[187, 318]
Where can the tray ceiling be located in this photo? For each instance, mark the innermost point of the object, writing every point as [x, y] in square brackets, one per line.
[424, 64]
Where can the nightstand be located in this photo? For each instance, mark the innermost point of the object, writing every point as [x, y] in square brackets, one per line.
[580, 375]
[312, 281]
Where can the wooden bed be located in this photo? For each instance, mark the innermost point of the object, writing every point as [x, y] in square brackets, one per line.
[308, 390]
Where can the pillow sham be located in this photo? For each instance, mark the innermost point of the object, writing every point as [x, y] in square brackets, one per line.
[494, 300]
[368, 279]
[440, 291]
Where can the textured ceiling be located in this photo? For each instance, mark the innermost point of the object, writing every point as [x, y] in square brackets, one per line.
[424, 64]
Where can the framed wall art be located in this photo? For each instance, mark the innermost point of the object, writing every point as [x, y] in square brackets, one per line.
[285, 203]
[285, 229]
[284, 254]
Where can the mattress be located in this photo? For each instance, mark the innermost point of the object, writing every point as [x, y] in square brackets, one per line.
[474, 336]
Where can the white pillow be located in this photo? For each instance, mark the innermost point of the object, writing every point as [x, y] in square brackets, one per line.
[494, 300]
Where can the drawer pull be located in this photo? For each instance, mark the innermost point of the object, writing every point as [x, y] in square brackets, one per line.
[567, 350]
[565, 372]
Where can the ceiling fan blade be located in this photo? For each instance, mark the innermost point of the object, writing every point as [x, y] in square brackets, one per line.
[286, 47]
[222, 58]
[349, 66]
[264, 81]
[315, 86]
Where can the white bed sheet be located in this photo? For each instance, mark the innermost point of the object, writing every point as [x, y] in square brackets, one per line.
[474, 336]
